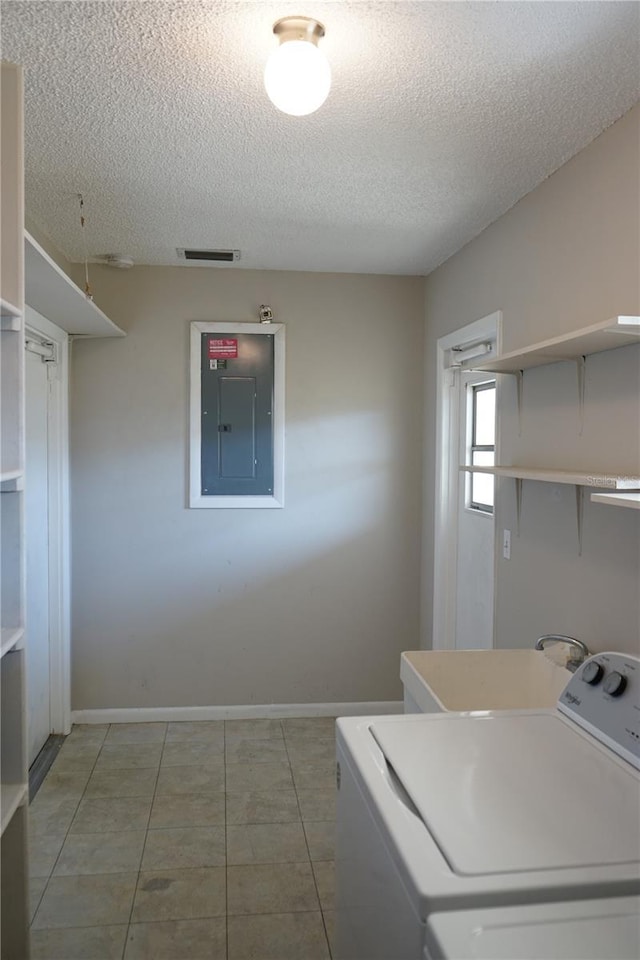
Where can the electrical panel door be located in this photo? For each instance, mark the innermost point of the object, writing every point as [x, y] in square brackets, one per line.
[237, 414]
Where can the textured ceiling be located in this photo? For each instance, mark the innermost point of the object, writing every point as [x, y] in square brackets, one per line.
[441, 116]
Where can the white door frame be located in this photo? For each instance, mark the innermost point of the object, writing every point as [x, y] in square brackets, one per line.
[59, 551]
[445, 557]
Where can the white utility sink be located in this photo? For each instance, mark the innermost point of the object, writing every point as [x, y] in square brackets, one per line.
[444, 680]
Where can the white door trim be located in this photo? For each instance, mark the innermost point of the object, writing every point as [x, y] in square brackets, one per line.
[488, 328]
[59, 550]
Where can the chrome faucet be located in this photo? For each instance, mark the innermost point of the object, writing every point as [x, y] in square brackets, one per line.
[578, 653]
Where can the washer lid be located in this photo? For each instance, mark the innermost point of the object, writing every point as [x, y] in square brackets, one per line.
[517, 793]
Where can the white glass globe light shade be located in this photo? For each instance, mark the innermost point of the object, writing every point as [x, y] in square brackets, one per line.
[297, 77]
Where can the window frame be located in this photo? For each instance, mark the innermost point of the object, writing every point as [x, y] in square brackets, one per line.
[472, 447]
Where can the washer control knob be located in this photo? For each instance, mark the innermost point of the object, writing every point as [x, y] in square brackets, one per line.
[592, 673]
[615, 684]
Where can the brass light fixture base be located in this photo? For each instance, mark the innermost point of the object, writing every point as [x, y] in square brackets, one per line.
[298, 28]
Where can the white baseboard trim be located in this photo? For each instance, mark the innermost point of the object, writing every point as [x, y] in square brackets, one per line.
[240, 712]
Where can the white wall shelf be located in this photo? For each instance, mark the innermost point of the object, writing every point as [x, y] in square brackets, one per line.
[629, 500]
[53, 294]
[10, 637]
[606, 335]
[573, 347]
[579, 478]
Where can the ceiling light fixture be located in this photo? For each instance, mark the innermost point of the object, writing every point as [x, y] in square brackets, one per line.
[297, 76]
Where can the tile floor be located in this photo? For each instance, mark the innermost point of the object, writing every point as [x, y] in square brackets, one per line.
[186, 841]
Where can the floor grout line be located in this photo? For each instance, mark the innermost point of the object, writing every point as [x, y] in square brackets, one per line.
[324, 922]
[144, 845]
[304, 832]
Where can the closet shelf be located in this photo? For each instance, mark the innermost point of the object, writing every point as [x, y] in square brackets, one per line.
[606, 335]
[609, 481]
[53, 294]
[8, 309]
[11, 480]
[10, 637]
[10, 315]
[629, 500]
[11, 796]
[11, 324]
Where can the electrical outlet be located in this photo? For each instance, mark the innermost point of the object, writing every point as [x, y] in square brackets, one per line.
[506, 544]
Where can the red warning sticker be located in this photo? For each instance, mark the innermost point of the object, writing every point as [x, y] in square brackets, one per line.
[222, 349]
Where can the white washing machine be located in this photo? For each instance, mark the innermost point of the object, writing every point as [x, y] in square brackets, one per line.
[472, 811]
[577, 930]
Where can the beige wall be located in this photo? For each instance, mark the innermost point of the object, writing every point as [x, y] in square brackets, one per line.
[73, 270]
[313, 603]
[565, 256]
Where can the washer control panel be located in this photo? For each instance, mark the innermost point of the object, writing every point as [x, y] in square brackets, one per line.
[603, 697]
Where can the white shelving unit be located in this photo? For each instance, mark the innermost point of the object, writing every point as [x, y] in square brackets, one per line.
[14, 929]
[629, 500]
[576, 346]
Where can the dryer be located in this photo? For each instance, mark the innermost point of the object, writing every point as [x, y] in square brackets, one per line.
[474, 811]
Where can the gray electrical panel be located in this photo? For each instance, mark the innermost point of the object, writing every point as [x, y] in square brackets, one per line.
[237, 414]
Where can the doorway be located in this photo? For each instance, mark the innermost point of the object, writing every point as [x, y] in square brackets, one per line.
[46, 531]
[464, 541]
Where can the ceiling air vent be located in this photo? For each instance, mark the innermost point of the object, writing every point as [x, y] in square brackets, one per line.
[217, 256]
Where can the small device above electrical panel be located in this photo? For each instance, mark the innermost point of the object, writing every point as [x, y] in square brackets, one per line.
[265, 313]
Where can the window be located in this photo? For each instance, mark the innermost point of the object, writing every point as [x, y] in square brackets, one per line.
[481, 493]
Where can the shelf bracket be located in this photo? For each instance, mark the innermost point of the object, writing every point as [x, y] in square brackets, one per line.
[520, 389]
[579, 515]
[581, 363]
[518, 504]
